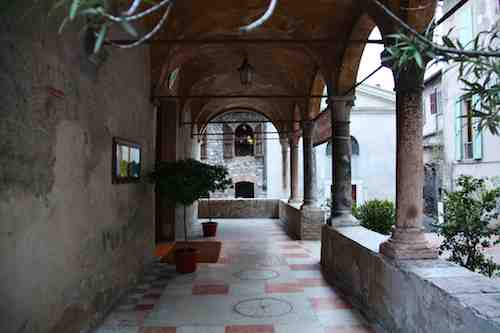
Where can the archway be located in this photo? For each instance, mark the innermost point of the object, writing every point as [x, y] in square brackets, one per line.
[244, 190]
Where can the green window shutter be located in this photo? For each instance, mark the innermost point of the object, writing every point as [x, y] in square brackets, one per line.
[477, 144]
[465, 34]
[458, 131]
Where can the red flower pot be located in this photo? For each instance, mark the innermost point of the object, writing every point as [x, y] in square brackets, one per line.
[185, 260]
[209, 229]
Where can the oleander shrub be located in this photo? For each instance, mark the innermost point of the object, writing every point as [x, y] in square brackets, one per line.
[467, 228]
[376, 215]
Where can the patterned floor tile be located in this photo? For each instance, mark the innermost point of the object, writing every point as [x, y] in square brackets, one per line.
[296, 255]
[250, 329]
[304, 267]
[210, 289]
[312, 282]
[293, 298]
[328, 303]
[283, 288]
[158, 330]
[349, 329]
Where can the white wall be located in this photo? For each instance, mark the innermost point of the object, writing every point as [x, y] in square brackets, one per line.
[373, 124]
[484, 13]
[274, 164]
[376, 165]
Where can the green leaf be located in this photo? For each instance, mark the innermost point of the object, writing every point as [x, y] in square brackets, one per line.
[63, 24]
[73, 10]
[418, 59]
[129, 28]
[100, 38]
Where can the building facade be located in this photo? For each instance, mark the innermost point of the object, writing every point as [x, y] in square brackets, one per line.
[236, 140]
[373, 144]
[467, 150]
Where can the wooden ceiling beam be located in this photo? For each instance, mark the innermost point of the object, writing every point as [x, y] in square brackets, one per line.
[242, 96]
[249, 41]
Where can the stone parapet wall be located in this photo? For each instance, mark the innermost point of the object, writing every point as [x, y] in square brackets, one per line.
[238, 208]
[408, 296]
[301, 224]
[290, 218]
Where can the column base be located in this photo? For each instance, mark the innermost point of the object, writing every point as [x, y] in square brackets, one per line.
[294, 201]
[408, 244]
[343, 219]
[309, 206]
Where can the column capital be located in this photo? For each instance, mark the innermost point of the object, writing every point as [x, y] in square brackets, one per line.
[293, 140]
[348, 100]
[307, 128]
[284, 141]
[407, 79]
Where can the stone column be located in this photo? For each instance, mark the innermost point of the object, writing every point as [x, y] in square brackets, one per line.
[285, 163]
[310, 183]
[341, 215]
[294, 170]
[408, 240]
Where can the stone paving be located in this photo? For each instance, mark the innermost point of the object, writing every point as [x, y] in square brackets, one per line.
[263, 283]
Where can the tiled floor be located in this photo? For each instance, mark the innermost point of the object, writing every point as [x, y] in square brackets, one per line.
[263, 283]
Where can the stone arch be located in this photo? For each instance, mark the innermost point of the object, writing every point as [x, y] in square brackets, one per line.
[245, 178]
[317, 88]
[353, 53]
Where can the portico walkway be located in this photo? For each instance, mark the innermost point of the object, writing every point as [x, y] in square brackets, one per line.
[264, 282]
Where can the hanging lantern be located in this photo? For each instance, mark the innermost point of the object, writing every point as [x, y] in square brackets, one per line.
[247, 73]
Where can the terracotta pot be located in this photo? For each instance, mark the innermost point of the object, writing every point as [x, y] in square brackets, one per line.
[209, 229]
[185, 260]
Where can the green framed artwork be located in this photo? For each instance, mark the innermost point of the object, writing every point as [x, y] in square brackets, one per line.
[127, 156]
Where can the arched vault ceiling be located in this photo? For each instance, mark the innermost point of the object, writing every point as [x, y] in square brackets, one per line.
[278, 111]
[279, 70]
[303, 39]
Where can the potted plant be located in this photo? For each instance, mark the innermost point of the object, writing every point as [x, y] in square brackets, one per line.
[182, 183]
[210, 227]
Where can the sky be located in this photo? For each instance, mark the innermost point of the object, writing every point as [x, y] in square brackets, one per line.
[370, 62]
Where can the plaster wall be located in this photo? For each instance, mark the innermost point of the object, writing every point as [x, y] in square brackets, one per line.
[432, 123]
[375, 167]
[485, 15]
[274, 166]
[70, 240]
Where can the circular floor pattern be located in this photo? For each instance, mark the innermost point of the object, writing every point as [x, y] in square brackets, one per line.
[257, 274]
[265, 307]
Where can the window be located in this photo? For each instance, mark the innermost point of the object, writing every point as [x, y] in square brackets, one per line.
[126, 161]
[468, 137]
[204, 148]
[468, 126]
[354, 147]
[433, 99]
[329, 148]
[227, 138]
[435, 102]
[259, 134]
[244, 140]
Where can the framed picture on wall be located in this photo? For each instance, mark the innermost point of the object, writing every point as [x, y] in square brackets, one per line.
[127, 156]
